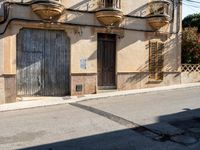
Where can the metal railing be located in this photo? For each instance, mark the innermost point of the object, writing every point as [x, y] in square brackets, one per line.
[159, 8]
[116, 4]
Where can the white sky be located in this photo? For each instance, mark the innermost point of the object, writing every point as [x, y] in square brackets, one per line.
[187, 10]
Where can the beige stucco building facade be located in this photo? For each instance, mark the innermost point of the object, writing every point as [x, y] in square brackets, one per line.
[77, 47]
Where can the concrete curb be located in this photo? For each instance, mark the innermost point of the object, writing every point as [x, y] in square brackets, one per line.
[50, 101]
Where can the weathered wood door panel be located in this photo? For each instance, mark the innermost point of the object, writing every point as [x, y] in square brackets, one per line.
[42, 63]
[106, 59]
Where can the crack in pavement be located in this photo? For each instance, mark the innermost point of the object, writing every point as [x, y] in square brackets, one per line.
[130, 125]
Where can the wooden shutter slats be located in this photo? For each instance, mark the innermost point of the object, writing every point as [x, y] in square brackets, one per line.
[156, 60]
[160, 61]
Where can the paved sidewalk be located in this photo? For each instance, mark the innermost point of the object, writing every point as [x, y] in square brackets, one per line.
[32, 102]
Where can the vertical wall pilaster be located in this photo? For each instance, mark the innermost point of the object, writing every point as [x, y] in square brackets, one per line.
[8, 69]
[2, 91]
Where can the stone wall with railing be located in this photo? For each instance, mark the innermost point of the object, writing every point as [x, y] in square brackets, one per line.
[190, 73]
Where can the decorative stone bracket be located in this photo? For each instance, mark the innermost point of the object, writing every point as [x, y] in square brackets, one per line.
[109, 17]
[109, 13]
[48, 10]
[158, 21]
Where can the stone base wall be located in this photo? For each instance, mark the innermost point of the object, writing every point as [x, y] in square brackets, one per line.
[10, 88]
[129, 81]
[2, 91]
[82, 84]
[87, 81]
[7, 89]
[190, 77]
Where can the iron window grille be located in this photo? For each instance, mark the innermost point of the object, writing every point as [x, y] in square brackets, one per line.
[114, 4]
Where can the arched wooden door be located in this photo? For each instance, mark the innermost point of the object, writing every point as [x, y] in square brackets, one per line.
[43, 59]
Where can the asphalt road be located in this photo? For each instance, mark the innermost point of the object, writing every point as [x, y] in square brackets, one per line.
[153, 121]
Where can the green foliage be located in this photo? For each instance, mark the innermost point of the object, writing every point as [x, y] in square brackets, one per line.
[190, 46]
[191, 21]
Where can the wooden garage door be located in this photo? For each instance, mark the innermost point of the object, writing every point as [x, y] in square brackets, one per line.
[42, 63]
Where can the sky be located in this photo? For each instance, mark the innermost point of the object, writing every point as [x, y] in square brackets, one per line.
[188, 9]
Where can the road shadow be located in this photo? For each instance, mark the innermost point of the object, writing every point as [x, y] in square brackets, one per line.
[165, 134]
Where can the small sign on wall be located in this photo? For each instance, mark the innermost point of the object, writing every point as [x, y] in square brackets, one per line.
[83, 63]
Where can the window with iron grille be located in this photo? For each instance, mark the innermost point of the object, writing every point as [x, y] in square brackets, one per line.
[156, 60]
[111, 4]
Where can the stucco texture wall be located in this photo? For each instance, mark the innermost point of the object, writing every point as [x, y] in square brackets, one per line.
[82, 27]
[83, 47]
[132, 54]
